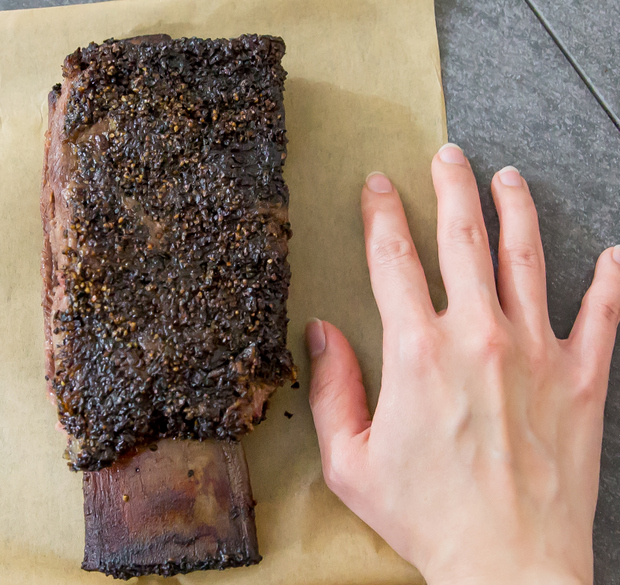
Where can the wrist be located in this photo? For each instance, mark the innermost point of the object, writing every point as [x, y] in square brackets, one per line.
[511, 578]
[510, 575]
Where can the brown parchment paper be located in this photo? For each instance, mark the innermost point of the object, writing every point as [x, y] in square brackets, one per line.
[363, 93]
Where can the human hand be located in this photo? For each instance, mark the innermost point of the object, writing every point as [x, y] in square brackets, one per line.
[480, 465]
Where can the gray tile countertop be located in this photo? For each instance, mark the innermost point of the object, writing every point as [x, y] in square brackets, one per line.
[514, 96]
[590, 32]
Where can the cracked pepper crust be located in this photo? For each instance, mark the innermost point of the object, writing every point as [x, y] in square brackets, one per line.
[166, 227]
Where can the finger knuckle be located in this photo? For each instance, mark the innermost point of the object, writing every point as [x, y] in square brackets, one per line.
[539, 357]
[337, 469]
[323, 390]
[423, 344]
[392, 251]
[491, 341]
[585, 393]
[465, 232]
[523, 254]
[588, 386]
[608, 308]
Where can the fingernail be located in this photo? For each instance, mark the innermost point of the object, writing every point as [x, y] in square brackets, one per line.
[451, 153]
[616, 254]
[510, 177]
[378, 183]
[315, 337]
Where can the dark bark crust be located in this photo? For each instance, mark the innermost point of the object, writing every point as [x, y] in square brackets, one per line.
[166, 234]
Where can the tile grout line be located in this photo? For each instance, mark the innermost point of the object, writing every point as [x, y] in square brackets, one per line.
[578, 69]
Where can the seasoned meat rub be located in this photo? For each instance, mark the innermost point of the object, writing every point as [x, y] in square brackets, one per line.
[166, 225]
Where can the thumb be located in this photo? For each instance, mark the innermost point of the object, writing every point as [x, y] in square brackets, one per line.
[337, 400]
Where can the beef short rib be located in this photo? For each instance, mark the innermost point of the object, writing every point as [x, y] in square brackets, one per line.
[166, 225]
[165, 218]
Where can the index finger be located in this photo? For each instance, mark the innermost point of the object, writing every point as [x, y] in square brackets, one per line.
[397, 277]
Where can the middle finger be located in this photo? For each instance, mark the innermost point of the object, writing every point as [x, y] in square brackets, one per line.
[463, 244]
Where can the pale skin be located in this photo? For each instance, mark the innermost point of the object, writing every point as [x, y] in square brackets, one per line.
[480, 464]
